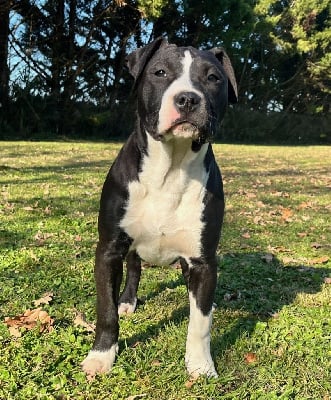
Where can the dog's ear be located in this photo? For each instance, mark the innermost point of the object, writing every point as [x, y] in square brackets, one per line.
[224, 59]
[137, 60]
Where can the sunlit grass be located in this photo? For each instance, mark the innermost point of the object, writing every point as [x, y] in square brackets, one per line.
[273, 297]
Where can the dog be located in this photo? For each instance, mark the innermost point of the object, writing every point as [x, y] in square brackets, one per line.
[162, 200]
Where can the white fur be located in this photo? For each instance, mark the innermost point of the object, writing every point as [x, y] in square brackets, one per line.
[164, 210]
[127, 308]
[197, 358]
[98, 362]
[168, 113]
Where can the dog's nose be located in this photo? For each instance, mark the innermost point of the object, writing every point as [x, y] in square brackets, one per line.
[187, 101]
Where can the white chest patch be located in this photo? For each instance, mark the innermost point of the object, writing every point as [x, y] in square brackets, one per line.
[164, 210]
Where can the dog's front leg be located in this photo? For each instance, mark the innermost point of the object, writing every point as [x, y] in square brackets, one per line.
[201, 286]
[108, 276]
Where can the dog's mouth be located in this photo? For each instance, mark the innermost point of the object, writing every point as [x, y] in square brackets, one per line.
[184, 128]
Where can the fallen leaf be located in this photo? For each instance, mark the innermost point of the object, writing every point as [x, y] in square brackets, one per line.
[286, 214]
[45, 299]
[258, 220]
[136, 396]
[29, 320]
[279, 249]
[14, 331]
[232, 296]
[188, 384]
[268, 258]
[81, 321]
[319, 260]
[136, 344]
[250, 195]
[289, 260]
[250, 358]
[305, 205]
[302, 234]
[40, 237]
[305, 269]
[48, 210]
[316, 245]
[327, 281]
[246, 235]
[156, 363]
[280, 194]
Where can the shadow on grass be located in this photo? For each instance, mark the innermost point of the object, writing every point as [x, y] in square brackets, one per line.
[255, 290]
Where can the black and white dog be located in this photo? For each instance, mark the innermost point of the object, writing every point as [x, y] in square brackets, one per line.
[162, 200]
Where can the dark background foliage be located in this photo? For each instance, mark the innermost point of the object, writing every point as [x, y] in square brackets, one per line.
[62, 62]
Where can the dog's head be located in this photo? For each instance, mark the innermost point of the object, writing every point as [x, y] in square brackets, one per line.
[182, 91]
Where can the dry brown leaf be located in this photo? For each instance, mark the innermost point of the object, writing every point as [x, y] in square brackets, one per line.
[81, 321]
[29, 320]
[289, 260]
[258, 220]
[279, 249]
[250, 358]
[45, 299]
[302, 234]
[188, 384]
[246, 235]
[305, 204]
[14, 331]
[319, 260]
[250, 195]
[136, 396]
[327, 280]
[286, 214]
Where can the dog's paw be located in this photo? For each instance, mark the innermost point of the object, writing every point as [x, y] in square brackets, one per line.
[127, 308]
[201, 369]
[197, 366]
[99, 362]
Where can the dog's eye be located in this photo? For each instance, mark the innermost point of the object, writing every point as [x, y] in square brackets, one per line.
[161, 73]
[213, 78]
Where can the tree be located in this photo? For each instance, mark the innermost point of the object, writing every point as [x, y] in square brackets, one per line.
[300, 35]
[4, 70]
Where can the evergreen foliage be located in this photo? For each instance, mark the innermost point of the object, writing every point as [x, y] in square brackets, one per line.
[62, 63]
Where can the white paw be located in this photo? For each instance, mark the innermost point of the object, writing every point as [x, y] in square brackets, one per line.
[127, 308]
[99, 362]
[197, 367]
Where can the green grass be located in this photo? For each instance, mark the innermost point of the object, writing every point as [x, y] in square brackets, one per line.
[278, 202]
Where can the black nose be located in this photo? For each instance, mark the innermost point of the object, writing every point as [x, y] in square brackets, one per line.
[187, 101]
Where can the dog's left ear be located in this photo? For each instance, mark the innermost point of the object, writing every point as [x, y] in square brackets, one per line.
[224, 59]
[137, 60]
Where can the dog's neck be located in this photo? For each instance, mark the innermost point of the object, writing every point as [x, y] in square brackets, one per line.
[164, 159]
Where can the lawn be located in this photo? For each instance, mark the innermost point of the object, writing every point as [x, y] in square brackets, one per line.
[271, 335]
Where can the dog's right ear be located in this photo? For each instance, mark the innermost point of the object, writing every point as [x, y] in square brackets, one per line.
[224, 59]
[137, 60]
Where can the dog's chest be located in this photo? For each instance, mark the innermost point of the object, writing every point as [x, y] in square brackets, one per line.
[165, 206]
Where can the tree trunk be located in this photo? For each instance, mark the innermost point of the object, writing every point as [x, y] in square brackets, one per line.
[4, 70]
[70, 75]
[57, 65]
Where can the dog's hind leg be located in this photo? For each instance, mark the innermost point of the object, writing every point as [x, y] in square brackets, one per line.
[201, 286]
[128, 299]
[108, 276]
